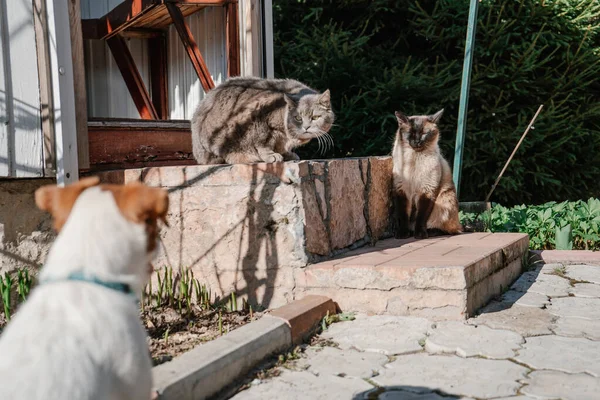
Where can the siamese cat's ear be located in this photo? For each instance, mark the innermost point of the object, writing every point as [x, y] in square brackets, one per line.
[325, 99]
[290, 101]
[402, 119]
[436, 117]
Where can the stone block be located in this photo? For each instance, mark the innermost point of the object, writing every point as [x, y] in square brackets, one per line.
[379, 199]
[317, 239]
[205, 370]
[440, 277]
[347, 203]
[304, 315]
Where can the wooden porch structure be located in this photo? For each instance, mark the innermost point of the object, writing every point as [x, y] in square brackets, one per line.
[149, 19]
[117, 143]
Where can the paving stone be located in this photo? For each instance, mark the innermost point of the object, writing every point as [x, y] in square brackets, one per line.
[545, 284]
[454, 375]
[300, 385]
[586, 290]
[525, 299]
[571, 355]
[553, 384]
[526, 321]
[382, 334]
[578, 307]
[469, 340]
[350, 363]
[588, 273]
[551, 268]
[577, 327]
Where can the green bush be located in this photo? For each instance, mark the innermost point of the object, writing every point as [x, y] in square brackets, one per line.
[541, 222]
[380, 56]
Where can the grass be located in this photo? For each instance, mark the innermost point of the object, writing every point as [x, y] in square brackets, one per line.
[23, 281]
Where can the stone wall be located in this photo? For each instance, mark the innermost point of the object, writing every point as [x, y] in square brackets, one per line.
[245, 228]
[242, 228]
[25, 232]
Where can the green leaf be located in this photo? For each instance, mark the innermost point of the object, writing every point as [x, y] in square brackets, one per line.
[564, 238]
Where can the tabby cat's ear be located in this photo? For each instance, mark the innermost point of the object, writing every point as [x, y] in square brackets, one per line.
[402, 119]
[436, 117]
[290, 101]
[325, 99]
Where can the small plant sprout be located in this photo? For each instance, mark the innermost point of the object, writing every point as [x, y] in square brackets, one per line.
[220, 323]
[5, 289]
[166, 337]
[23, 283]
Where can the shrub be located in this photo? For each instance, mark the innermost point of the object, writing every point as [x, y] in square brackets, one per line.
[379, 56]
[541, 222]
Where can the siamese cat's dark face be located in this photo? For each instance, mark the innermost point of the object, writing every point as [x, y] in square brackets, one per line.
[420, 131]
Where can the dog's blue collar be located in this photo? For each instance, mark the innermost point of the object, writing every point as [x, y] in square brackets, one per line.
[79, 276]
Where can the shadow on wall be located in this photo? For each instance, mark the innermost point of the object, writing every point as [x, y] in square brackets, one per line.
[224, 226]
[25, 232]
[403, 392]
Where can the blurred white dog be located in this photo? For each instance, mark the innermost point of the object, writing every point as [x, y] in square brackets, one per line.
[79, 335]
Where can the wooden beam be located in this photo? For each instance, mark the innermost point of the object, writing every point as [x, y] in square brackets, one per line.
[134, 144]
[40, 23]
[158, 75]
[81, 115]
[132, 77]
[123, 15]
[90, 29]
[63, 92]
[141, 33]
[191, 47]
[233, 39]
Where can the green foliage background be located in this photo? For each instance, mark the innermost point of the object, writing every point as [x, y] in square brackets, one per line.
[542, 221]
[378, 56]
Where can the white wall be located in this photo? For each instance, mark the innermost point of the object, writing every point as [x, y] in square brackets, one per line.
[21, 139]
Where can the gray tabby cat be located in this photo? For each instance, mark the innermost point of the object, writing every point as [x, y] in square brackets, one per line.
[248, 120]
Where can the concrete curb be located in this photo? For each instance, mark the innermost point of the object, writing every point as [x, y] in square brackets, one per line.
[204, 371]
[565, 256]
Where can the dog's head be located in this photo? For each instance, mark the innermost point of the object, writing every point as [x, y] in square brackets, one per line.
[117, 218]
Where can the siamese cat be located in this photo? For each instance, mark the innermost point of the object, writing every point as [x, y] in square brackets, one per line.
[423, 191]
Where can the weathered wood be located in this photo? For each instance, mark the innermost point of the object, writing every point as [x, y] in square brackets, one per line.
[143, 33]
[40, 24]
[158, 75]
[191, 47]
[141, 14]
[133, 144]
[132, 77]
[81, 117]
[233, 39]
[90, 29]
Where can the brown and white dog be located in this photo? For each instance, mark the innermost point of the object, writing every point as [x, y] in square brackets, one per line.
[79, 334]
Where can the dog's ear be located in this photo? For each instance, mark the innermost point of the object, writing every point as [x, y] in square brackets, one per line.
[59, 201]
[142, 204]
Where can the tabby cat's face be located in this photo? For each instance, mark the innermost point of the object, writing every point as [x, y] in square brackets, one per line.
[420, 131]
[310, 116]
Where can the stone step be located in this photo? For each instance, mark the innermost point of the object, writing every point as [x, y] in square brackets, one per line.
[444, 277]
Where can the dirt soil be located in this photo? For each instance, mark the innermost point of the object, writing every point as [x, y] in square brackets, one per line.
[171, 334]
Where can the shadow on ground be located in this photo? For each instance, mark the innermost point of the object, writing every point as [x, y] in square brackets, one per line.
[404, 392]
[513, 293]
